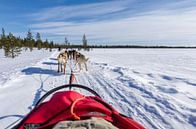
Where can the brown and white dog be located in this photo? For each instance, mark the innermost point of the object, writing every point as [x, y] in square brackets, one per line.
[62, 61]
[81, 60]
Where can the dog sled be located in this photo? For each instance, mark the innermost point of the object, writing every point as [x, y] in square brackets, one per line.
[70, 105]
[65, 108]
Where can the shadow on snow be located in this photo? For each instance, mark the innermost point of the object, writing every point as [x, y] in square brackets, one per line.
[36, 70]
[168, 78]
[12, 123]
[39, 91]
[50, 63]
[4, 117]
[53, 59]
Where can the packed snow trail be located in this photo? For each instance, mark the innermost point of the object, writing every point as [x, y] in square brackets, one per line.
[150, 98]
[20, 94]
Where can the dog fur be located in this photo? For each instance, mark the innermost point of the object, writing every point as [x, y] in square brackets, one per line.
[62, 61]
[81, 60]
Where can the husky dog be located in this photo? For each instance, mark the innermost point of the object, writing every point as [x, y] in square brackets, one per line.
[72, 54]
[62, 61]
[81, 59]
[75, 54]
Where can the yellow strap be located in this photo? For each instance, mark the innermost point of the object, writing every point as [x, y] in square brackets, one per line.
[72, 108]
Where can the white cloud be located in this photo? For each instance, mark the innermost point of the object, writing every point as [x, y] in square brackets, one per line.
[50, 24]
[81, 11]
[170, 23]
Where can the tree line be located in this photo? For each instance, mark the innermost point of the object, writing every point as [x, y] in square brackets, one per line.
[136, 46]
[13, 45]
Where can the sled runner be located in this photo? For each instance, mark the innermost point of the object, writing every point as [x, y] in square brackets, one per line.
[69, 106]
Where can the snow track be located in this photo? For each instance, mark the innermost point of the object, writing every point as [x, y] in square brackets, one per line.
[152, 98]
[133, 99]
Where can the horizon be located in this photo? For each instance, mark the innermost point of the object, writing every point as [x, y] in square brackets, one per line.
[105, 22]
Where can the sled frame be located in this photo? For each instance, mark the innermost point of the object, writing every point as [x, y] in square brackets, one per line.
[65, 86]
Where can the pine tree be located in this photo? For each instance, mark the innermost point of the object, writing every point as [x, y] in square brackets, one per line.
[15, 47]
[3, 38]
[29, 35]
[12, 46]
[29, 40]
[46, 44]
[1, 43]
[51, 45]
[19, 42]
[25, 44]
[7, 47]
[84, 40]
[38, 41]
[66, 41]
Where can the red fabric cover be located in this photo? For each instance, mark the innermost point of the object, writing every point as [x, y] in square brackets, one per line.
[58, 109]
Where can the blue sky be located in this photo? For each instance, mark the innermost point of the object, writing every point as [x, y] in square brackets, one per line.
[138, 22]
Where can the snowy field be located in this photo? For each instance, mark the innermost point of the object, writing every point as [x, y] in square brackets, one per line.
[156, 87]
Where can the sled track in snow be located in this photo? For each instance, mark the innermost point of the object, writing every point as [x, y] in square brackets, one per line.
[126, 104]
[133, 98]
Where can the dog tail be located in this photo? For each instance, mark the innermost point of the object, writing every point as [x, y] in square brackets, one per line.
[87, 59]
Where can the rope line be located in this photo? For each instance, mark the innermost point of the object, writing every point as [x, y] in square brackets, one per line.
[72, 75]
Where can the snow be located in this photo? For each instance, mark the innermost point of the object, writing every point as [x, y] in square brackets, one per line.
[155, 87]
[10, 67]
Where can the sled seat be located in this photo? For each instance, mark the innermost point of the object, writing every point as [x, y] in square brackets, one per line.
[71, 107]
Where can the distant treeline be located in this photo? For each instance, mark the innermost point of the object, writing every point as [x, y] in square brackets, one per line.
[13, 45]
[136, 46]
[121, 46]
